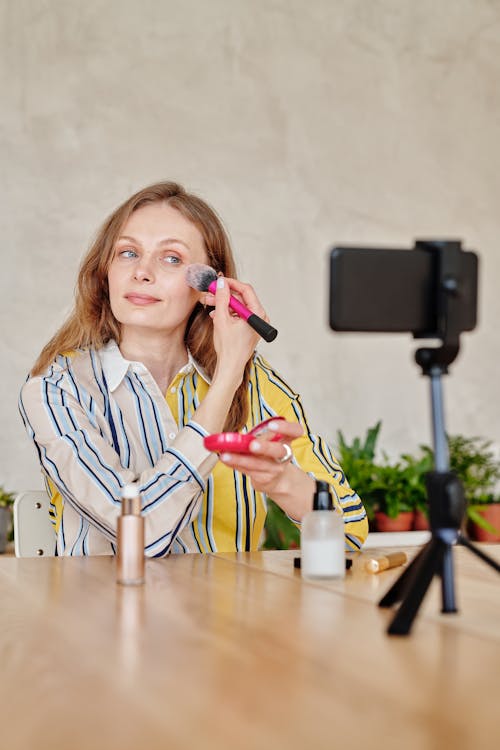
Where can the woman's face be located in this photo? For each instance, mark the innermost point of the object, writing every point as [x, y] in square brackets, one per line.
[146, 277]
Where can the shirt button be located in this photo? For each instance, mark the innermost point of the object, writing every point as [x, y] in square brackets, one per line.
[173, 389]
[171, 435]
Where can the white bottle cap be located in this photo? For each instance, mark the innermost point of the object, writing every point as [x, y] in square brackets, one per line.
[129, 491]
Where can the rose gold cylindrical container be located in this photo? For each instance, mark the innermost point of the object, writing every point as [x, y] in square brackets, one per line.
[130, 539]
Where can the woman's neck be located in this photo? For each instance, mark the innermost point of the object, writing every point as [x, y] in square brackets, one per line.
[162, 354]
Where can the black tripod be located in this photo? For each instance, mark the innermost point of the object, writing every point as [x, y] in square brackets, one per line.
[446, 513]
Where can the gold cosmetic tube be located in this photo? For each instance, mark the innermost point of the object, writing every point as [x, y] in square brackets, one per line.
[392, 560]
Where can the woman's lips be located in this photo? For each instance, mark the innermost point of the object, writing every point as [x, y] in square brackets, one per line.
[141, 299]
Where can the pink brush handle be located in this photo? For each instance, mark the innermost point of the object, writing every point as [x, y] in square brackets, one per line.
[263, 328]
[238, 307]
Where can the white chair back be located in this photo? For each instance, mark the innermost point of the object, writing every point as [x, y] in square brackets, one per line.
[396, 539]
[34, 533]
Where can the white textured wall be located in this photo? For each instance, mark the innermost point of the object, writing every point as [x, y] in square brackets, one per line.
[305, 124]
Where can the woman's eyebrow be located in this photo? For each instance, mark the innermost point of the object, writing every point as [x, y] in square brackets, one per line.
[172, 241]
[166, 241]
[125, 238]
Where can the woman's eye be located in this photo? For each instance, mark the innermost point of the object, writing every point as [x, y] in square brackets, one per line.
[127, 253]
[171, 259]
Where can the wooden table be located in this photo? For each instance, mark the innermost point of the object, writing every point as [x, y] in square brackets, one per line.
[236, 651]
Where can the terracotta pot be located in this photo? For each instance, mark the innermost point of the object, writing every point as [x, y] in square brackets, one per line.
[492, 514]
[420, 521]
[403, 522]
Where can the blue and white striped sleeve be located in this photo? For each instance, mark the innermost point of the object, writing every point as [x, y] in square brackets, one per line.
[79, 457]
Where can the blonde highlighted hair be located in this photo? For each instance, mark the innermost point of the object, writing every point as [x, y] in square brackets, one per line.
[91, 322]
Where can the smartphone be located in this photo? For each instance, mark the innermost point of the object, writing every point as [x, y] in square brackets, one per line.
[395, 290]
[239, 442]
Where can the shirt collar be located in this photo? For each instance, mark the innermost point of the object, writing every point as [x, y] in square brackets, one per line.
[115, 366]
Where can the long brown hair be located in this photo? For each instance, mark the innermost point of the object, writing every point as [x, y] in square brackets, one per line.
[92, 324]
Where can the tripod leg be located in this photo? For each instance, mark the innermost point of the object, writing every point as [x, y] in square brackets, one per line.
[429, 565]
[398, 588]
[447, 580]
[467, 543]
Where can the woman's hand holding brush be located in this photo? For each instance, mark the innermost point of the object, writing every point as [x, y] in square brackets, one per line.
[204, 279]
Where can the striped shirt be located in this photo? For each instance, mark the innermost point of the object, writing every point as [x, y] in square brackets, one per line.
[99, 422]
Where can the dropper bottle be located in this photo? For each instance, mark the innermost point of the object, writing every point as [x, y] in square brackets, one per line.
[322, 538]
[130, 538]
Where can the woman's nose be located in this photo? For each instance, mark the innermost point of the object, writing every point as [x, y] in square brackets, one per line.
[143, 270]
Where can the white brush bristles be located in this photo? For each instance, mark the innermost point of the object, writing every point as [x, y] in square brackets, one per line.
[200, 276]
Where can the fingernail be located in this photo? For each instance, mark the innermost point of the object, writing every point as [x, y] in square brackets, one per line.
[220, 282]
[225, 456]
[255, 446]
[274, 426]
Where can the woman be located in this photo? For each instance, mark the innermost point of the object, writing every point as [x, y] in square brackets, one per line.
[141, 372]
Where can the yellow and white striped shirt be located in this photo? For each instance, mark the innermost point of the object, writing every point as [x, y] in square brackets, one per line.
[99, 422]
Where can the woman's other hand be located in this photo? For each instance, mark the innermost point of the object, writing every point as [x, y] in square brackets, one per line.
[270, 471]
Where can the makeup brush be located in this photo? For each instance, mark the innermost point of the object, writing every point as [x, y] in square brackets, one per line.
[204, 279]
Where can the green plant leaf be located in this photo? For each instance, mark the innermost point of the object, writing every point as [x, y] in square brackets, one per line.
[475, 515]
[6, 498]
[280, 532]
[476, 466]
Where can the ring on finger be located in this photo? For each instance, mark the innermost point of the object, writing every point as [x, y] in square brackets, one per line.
[288, 454]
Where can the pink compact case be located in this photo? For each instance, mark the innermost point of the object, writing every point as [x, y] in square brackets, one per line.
[239, 442]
